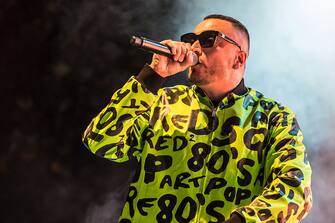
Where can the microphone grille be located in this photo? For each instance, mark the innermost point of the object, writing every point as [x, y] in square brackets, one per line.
[136, 41]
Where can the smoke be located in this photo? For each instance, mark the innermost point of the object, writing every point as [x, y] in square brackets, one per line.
[292, 61]
[291, 55]
[110, 209]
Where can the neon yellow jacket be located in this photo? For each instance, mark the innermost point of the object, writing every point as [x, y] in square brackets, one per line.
[200, 163]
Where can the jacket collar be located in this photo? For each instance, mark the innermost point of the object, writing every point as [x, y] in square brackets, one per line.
[238, 91]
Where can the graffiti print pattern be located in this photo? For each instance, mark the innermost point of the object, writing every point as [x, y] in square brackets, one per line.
[200, 163]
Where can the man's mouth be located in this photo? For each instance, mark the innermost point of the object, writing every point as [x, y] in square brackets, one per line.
[199, 63]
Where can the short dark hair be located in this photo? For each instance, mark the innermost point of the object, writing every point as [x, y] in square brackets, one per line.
[237, 24]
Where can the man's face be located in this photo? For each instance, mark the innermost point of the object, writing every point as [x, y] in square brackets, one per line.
[217, 62]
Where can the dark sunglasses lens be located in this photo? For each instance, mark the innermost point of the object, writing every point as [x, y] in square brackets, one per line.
[188, 38]
[207, 39]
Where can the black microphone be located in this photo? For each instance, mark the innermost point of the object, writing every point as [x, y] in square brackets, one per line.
[157, 47]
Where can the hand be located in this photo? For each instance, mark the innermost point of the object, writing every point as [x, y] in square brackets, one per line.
[182, 59]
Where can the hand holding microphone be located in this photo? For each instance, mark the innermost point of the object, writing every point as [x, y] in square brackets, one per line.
[170, 57]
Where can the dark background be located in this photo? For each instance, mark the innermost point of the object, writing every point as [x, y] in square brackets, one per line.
[60, 63]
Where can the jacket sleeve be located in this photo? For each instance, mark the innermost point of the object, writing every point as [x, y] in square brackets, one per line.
[115, 133]
[287, 195]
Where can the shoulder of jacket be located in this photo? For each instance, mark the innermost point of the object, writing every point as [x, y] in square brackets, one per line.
[268, 104]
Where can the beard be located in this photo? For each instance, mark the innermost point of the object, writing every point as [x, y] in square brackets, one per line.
[199, 75]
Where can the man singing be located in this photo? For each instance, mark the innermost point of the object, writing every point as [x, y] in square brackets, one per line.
[214, 152]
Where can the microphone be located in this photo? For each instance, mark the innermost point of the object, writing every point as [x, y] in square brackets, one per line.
[157, 47]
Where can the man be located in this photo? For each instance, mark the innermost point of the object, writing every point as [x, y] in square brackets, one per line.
[214, 152]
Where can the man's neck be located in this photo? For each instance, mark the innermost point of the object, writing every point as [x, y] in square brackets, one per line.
[217, 91]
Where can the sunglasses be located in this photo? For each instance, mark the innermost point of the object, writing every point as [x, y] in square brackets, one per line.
[206, 38]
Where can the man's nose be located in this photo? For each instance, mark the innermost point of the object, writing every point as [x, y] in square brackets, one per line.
[196, 47]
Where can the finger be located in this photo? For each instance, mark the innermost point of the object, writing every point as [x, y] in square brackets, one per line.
[173, 48]
[178, 52]
[188, 46]
[182, 54]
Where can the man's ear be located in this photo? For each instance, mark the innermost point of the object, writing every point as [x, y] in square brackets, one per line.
[240, 60]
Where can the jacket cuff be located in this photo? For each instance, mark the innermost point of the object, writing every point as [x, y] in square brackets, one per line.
[150, 79]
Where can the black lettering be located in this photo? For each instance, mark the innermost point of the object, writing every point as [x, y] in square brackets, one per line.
[166, 204]
[282, 117]
[176, 119]
[117, 128]
[158, 116]
[259, 117]
[295, 128]
[151, 166]
[205, 130]
[161, 140]
[293, 177]
[104, 149]
[130, 199]
[192, 138]
[179, 180]
[264, 214]
[250, 211]
[132, 104]
[257, 146]
[195, 181]
[229, 193]
[242, 194]
[199, 151]
[155, 116]
[132, 140]
[234, 152]
[187, 100]
[94, 136]
[147, 135]
[120, 96]
[172, 95]
[292, 207]
[291, 155]
[176, 146]
[106, 117]
[266, 105]
[213, 162]
[215, 183]
[89, 134]
[201, 198]
[247, 175]
[249, 101]
[166, 180]
[284, 142]
[192, 210]
[210, 210]
[290, 194]
[231, 101]
[274, 194]
[144, 203]
[260, 177]
[227, 131]
[134, 87]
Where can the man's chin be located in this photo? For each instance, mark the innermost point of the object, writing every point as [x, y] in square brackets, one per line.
[197, 78]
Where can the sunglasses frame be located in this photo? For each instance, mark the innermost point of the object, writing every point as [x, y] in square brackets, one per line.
[217, 33]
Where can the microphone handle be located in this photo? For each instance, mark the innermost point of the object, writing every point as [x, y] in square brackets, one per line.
[151, 46]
